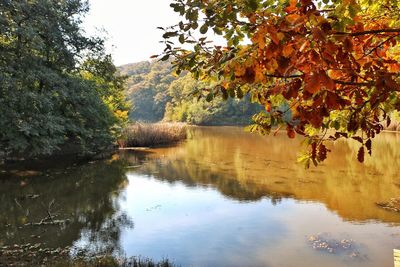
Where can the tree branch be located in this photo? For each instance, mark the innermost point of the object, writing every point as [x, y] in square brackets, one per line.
[284, 76]
[336, 81]
[379, 45]
[353, 83]
[368, 32]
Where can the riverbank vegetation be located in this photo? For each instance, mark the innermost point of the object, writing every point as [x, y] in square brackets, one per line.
[58, 87]
[152, 134]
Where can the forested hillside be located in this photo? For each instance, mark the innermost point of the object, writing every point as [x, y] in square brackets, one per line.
[157, 95]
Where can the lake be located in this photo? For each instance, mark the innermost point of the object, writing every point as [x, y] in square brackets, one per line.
[222, 198]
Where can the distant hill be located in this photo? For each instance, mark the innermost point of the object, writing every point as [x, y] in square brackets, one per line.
[158, 95]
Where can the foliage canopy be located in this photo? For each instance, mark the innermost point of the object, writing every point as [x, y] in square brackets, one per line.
[57, 86]
[334, 63]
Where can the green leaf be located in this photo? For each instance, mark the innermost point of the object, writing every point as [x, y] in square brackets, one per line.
[210, 97]
[182, 39]
[204, 29]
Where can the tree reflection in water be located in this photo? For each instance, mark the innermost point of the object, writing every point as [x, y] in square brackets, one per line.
[248, 167]
[87, 196]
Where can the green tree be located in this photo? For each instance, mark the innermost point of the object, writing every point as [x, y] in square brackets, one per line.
[56, 85]
[148, 89]
[185, 107]
[157, 94]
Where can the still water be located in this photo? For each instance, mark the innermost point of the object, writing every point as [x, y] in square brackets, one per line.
[221, 198]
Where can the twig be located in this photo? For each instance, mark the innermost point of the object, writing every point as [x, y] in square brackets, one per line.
[19, 205]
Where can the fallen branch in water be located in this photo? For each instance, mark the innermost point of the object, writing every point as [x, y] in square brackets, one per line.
[46, 223]
[49, 216]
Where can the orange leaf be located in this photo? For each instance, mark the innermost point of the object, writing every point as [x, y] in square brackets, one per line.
[276, 37]
[318, 34]
[287, 51]
[295, 112]
[253, 18]
[312, 83]
[268, 107]
[293, 18]
[331, 101]
[395, 68]
[292, 6]
[314, 57]
[290, 132]
[326, 81]
[348, 45]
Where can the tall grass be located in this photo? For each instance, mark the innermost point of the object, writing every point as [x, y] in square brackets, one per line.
[150, 135]
[393, 126]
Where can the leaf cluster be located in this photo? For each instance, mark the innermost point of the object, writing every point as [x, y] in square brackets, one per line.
[335, 64]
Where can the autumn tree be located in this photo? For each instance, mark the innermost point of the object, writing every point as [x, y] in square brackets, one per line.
[334, 63]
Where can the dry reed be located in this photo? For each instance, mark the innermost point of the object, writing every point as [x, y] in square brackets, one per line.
[150, 135]
[393, 126]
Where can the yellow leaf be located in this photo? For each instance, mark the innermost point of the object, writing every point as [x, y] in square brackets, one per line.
[272, 65]
[240, 70]
[292, 18]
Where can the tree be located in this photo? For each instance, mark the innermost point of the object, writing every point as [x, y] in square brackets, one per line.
[334, 63]
[57, 86]
[197, 111]
[147, 87]
[157, 95]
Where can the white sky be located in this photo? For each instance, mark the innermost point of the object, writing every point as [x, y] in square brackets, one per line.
[131, 26]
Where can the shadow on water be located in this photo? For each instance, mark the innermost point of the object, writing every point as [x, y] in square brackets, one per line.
[82, 201]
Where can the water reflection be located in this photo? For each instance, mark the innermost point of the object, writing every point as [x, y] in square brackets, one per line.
[221, 198]
[85, 197]
[249, 167]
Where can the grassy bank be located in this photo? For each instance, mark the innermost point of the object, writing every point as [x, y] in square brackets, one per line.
[150, 135]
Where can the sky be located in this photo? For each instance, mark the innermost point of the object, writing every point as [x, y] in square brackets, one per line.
[131, 26]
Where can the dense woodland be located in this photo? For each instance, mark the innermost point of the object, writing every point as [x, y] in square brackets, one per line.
[157, 94]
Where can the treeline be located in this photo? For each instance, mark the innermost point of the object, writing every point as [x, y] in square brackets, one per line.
[57, 86]
[158, 95]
